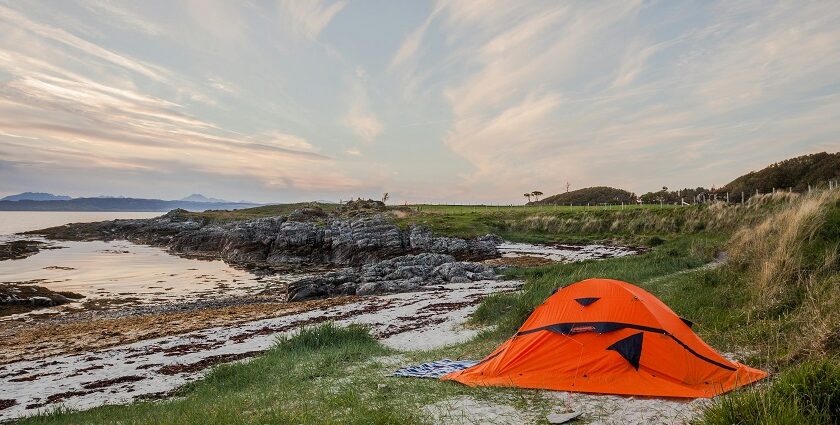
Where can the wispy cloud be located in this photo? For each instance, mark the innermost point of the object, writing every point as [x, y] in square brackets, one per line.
[122, 15]
[50, 114]
[307, 18]
[220, 83]
[466, 100]
[547, 88]
[221, 19]
[55, 35]
[359, 118]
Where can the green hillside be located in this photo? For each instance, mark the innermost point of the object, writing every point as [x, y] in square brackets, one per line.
[589, 195]
[794, 173]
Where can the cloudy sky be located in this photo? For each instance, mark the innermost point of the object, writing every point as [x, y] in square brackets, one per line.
[462, 101]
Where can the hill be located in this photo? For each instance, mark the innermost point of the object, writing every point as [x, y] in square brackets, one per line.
[197, 197]
[36, 196]
[589, 195]
[794, 173]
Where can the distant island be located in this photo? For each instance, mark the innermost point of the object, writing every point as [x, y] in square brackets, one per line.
[38, 201]
[197, 197]
[36, 196]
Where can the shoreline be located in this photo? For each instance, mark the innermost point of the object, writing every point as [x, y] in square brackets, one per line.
[108, 374]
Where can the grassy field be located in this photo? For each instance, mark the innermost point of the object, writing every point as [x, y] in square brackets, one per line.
[634, 224]
[511, 222]
[775, 300]
[255, 212]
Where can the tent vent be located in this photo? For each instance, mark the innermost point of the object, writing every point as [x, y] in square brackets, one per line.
[630, 348]
[586, 301]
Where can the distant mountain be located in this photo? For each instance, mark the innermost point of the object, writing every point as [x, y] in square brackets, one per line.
[36, 196]
[589, 195]
[197, 197]
[794, 173]
[117, 204]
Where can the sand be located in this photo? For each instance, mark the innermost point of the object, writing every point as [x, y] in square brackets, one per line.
[154, 367]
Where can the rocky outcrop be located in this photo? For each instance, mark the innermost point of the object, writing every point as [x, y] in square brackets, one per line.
[18, 250]
[400, 274]
[309, 239]
[20, 297]
[378, 255]
[482, 248]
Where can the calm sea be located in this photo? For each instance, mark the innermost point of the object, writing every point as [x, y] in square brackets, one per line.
[118, 272]
[21, 221]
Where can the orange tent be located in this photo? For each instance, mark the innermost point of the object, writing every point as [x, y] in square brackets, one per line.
[608, 336]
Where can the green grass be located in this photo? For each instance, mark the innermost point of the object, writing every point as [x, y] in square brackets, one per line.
[635, 224]
[805, 394]
[255, 212]
[508, 311]
[467, 221]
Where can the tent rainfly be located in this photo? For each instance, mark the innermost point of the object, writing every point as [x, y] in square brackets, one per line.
[611, 337]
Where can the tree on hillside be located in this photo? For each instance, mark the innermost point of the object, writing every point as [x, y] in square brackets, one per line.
[385, 197]
[672, 197]
[527, 195]
[590, 195]
[796, 174]
[536, 194]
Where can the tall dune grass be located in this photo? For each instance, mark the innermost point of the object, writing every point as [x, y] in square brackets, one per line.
[790, 265]
[715, 217]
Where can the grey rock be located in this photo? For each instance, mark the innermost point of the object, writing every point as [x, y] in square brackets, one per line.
[561, 418]
[400, 274]
[343, 282]
[41, 301]
[421, 239]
